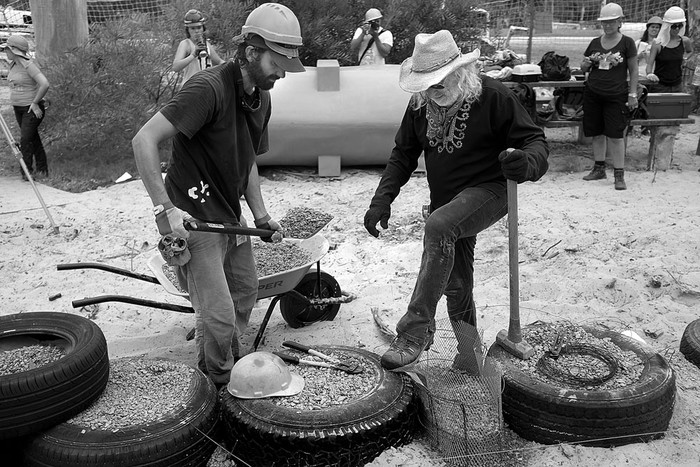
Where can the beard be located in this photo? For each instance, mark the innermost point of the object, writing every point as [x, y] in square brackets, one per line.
[259, 78]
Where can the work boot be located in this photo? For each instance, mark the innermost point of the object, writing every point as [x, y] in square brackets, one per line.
[597, 173]
[405, 350]
[620, 179]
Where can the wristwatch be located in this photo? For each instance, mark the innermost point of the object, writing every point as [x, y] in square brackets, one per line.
[632, 94]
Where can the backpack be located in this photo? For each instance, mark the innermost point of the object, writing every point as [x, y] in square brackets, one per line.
[569, 103]
[528, 98]
[555, 67]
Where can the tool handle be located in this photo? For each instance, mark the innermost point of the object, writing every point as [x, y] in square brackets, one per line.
[514, 332]
[226, 229]
[296, 346]
[286, 357]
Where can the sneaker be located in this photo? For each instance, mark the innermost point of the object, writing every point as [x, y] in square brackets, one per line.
[405, 350]
[597, 173]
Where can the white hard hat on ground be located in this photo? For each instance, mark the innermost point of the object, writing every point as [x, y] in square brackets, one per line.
[263, 374]
[610, 11]
[372, 14]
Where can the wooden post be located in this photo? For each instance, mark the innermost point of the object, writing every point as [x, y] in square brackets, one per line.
[661, 147]
[59, 25]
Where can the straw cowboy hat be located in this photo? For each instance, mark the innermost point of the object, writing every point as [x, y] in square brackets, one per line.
[434, 57]
[18, 45]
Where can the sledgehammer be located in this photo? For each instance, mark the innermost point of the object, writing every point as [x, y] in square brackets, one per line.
[512, 340]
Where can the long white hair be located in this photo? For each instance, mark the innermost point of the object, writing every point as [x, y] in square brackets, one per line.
[468, 82]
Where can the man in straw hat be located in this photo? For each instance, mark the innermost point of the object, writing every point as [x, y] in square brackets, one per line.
[466, 125]
[218, 122]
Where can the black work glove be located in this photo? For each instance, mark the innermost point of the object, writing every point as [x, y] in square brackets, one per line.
[377, 213]
[516, 165]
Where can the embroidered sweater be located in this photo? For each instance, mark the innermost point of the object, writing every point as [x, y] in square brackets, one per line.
[468, 154]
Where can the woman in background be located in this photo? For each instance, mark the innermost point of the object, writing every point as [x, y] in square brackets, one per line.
[644, 44]
[28, 86]
[670, 49]
[195, 52]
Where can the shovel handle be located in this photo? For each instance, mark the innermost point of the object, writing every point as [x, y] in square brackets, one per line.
[226, 229]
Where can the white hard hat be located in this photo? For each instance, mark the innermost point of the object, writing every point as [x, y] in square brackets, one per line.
[610, 11]
[263, 374]
[372, 14]
[274, 23]
[674, 15]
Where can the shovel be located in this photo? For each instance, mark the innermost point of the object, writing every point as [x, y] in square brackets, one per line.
[352, 369]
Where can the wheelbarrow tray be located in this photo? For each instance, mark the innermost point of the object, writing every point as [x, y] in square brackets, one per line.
[268, 286]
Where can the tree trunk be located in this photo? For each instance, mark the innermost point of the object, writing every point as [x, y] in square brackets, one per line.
[59, 25]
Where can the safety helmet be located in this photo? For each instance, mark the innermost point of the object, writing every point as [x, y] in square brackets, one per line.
[654, 20]
[263, 374]
[372, 14]
[610, 11]
[274, 23]
[674, 15]
[194, 18]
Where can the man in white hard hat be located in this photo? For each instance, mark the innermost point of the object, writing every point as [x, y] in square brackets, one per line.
[218, 123]
[371, 42]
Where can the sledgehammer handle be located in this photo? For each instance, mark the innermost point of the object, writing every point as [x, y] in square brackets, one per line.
[514, 334]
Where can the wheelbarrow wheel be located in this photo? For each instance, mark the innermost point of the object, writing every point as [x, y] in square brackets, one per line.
[297, 313]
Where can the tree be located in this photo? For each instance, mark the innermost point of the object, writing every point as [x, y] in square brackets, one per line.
[59, 25]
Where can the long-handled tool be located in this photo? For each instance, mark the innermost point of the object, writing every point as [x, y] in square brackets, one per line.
[227, 229]
[353, 370]
[512, 340]
[339, 365]
[25, 169]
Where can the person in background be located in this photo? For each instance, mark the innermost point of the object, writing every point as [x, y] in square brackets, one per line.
[670, 49]
[371, 42]
[644, 44]
[474, 134]
[194, 53]
[218, 122]
[608, 98]
[28, 86]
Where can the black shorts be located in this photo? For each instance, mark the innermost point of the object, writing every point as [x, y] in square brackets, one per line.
[604, 114]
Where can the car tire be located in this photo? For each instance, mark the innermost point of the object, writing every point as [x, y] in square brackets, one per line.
[690, 342]
[549, 414]
[183, 438]
[263, 433]
[37, 399]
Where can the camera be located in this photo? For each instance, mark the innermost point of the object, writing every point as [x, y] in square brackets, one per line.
[202, 47]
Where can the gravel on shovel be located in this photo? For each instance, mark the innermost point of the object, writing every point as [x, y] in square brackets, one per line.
[302, 222]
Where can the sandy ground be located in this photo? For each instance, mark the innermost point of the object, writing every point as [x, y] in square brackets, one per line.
[588, 254]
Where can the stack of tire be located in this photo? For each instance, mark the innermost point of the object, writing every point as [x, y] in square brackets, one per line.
[35, 404]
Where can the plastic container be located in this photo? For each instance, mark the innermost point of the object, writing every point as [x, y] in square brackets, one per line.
[669, 104]
[526, 73]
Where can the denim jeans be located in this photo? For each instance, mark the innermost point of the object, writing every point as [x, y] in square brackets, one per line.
[222, 283]
[447, 264]
[30, 142]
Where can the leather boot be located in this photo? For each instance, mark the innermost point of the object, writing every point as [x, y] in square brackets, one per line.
[620, 179]
[405, 350]
[597, 173]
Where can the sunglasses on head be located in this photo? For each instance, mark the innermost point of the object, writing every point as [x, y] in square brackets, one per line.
[677, 26]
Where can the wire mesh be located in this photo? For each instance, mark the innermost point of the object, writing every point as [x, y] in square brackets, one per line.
[460, 398]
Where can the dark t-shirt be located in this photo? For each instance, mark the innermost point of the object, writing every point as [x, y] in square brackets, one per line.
[613, 80]
[216, 144]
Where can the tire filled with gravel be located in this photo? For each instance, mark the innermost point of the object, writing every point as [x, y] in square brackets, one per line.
[52, 366]
[602, 388]
[337, 419]
[690, 342]
[153, 412]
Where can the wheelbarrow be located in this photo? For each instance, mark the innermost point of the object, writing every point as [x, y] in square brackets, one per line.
[305, 295]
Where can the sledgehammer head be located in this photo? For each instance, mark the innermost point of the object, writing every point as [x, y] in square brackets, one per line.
[521, 349]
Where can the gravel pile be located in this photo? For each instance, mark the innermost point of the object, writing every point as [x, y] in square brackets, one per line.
[327, 387]
[29, 357]
[274, 258]
[304, 222]
[584, 357]
[139, 391]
